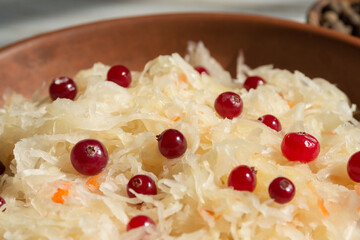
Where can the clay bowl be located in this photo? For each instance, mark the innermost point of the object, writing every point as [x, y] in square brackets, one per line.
[133, 41]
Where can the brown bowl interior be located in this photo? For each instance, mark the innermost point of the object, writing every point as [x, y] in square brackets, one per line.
[134, 41]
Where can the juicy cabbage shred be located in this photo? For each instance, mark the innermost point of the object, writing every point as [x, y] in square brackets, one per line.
[193, 200]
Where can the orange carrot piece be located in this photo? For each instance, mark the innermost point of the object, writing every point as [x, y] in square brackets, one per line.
[177, 119]
[329, 133]
[291, 105]
[311, 186]
[321, 202]
[61, 192]
[182, 77]
[211, 213]
[199, 210]
[58, 197]
[357, 189]
[322, 207]
[92, 183]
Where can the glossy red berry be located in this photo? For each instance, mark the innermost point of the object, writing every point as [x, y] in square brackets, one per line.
[202, 70]
[63, 87]
[171, 143]
[2, 203]
[140, 221]
[271, 121]
[242, 178]
[228, 105]
[253, 82]
[2, 168]
[120, 75]
[300, 146]
[353, 167]
[89, 157]
[141, 184]
[282, 190]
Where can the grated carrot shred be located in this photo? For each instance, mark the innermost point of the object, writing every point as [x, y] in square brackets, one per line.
[211, 213]
[329, 133]
[290, 104]
[358, 209]
[92, 182]
[322, 207]
[177, 119]
[182, 77]
[357, 189]
[58, 197]
[320, 202]
[294, 218]
[200, 213]
[311, 186]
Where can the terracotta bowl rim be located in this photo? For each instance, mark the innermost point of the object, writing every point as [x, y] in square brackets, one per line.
[265, 20]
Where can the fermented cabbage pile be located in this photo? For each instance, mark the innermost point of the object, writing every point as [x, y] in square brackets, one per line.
[46, 198]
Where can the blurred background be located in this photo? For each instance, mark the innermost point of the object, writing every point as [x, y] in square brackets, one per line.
[20, 19]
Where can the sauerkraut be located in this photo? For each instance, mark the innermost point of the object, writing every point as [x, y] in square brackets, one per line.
[193, 200]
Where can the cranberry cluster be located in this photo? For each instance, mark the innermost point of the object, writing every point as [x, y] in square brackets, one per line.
[296, 146]
[90, 157]
[243, 178]
[65, 87]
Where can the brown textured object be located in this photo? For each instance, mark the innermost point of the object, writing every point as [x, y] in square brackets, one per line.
[317, 52]
[339, 15]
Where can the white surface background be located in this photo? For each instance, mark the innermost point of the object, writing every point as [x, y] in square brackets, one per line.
[20, 19]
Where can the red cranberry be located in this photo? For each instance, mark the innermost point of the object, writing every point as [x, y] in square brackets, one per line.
[282, 190]
[140, 221]
[89, 157]
[353, 167]
[171, 143]
[141, 184]
[300, 146]
[228, 105]
[253, 82]
[242, 178]
[2, 168]
[2, 203]
[63, 87]
[120, 75]
[202, 70]
[271, 121]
